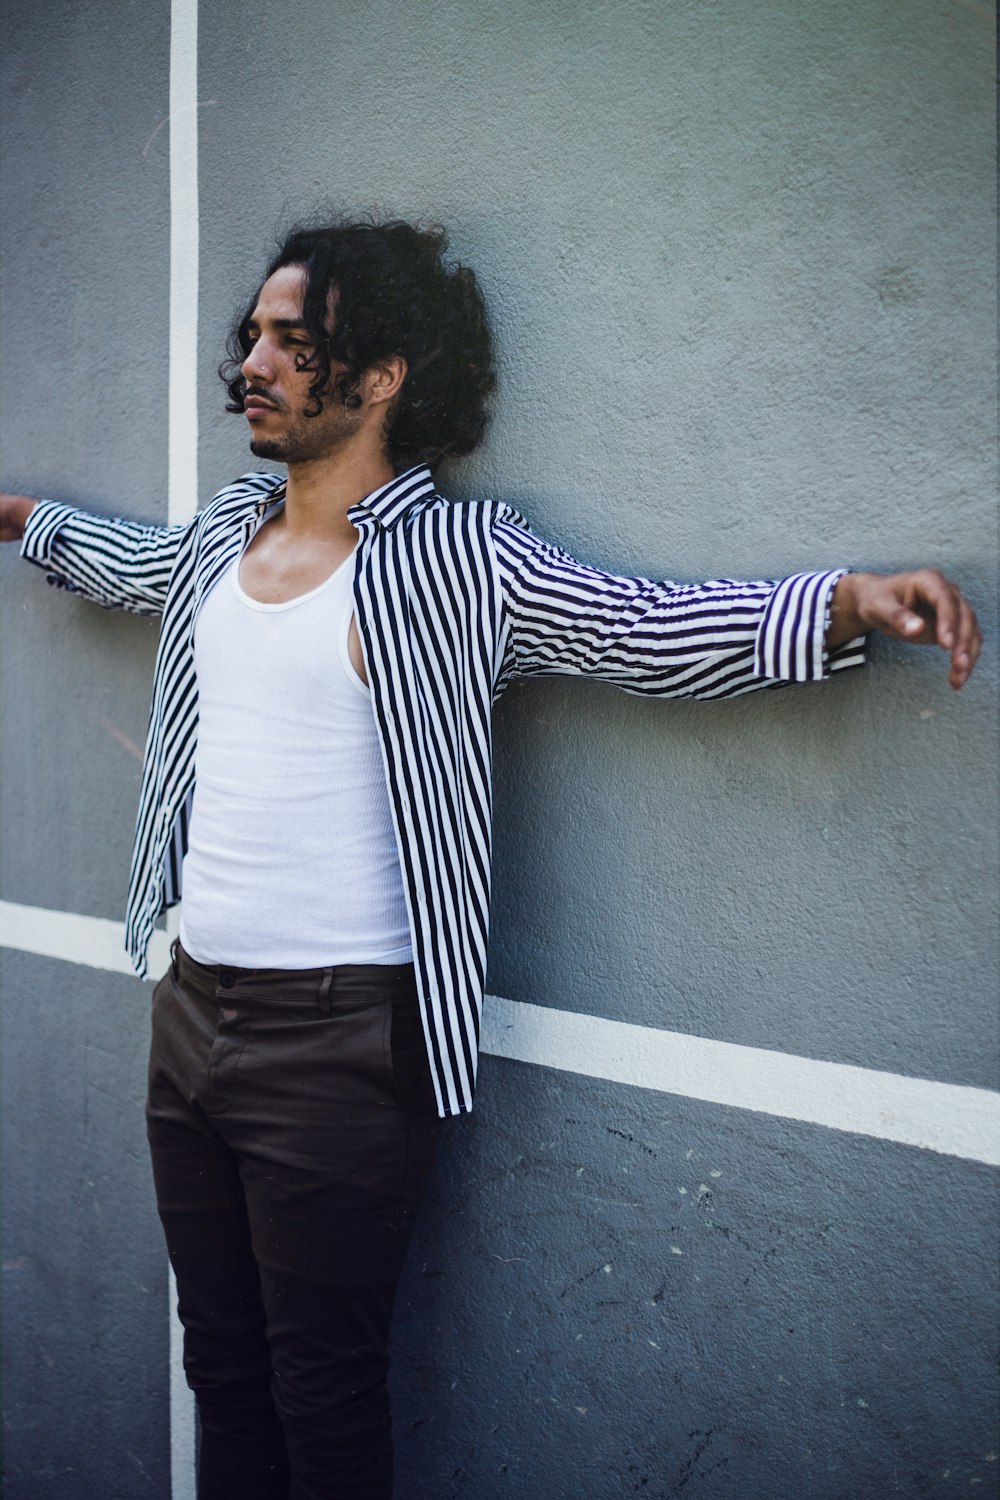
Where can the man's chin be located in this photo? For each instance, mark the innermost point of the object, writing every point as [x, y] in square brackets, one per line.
[266, 448]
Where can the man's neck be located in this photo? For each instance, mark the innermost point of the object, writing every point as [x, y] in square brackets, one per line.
[319, 493]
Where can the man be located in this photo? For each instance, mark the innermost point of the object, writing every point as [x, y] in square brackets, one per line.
[317, 772]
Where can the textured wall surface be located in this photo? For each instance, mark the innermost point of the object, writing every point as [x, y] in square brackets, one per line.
[84, 326]
[618, 1293]
[740, 264]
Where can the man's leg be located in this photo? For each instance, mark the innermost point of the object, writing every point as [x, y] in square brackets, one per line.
[321, 1092]
[241, 1453]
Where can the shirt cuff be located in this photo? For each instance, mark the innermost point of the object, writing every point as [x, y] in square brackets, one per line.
[44, 520]
[791, 639]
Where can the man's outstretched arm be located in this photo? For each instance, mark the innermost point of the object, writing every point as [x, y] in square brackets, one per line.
[117, 564]
[923, 607]
[715, 639]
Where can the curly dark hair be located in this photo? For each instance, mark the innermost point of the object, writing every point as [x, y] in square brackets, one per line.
[394, 294]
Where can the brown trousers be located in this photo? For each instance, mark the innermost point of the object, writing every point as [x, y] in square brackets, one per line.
[292, 1129]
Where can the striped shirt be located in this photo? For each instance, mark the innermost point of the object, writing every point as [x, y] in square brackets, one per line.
[453, 600]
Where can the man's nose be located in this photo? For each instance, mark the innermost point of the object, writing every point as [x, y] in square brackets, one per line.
[256, 366]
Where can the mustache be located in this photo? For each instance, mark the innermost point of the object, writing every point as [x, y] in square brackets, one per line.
[263, 395]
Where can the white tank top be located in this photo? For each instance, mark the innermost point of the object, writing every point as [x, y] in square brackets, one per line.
[292, 860]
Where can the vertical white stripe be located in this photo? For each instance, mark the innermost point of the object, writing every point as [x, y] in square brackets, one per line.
[182, 1440]
[182, 501]
[182, 450]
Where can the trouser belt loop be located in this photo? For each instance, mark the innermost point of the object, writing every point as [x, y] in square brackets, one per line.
[174, 960]
[325, 987]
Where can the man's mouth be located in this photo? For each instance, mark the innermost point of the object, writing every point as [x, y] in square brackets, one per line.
[253, 401]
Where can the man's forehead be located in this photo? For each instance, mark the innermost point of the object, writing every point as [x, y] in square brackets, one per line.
[282, 294]
[281, 297]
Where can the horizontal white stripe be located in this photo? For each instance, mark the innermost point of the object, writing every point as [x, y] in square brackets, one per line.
[949, 1118]
[945, 1117]
[92, 941]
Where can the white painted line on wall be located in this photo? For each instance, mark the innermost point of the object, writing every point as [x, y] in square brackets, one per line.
[182, 502]
[182, 432]
[92, 941]
[945, 1117]
[182, 1419]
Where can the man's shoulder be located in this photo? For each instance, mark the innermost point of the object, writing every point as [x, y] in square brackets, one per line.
[486, 513]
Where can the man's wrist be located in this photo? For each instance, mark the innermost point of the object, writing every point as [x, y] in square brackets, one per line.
[845, 620]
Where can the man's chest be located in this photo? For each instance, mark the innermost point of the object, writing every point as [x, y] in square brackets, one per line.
[278, 579]
[275, 570]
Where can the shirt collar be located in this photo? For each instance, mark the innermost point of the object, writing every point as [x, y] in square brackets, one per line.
[387, 505]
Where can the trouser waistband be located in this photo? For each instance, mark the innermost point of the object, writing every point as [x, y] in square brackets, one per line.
[322, 985]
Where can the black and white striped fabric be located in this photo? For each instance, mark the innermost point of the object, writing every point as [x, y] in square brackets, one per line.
[453, 600]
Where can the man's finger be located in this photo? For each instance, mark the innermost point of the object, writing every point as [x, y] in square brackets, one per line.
[943, 598]
[969, 632]
[889, 612]
[968, 640]
[907, 623]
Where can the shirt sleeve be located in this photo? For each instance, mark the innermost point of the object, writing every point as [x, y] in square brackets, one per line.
[705, 640]
[117, 564]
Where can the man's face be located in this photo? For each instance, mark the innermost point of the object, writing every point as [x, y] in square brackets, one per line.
[277, 390]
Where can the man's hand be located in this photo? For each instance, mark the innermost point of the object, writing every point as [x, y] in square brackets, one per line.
[922, 607]
[14, 511]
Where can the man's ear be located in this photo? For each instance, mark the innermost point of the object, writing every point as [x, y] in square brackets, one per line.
[382, 382]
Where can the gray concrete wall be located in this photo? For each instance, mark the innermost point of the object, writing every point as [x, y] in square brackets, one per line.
[84, 241]
[740, 261]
